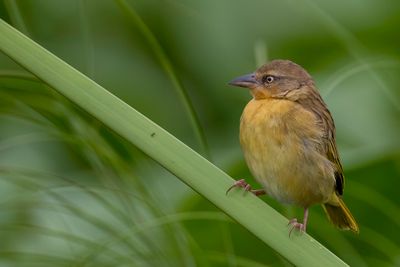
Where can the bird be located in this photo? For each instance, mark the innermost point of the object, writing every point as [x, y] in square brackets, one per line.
[287, 135]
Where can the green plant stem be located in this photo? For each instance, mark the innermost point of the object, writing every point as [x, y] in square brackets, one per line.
[169, 70]
[205, 178]
[15, 16]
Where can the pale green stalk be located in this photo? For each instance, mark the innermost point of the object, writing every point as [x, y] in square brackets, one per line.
[166, 64]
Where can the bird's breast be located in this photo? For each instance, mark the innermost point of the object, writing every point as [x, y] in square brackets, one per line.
[281, 145]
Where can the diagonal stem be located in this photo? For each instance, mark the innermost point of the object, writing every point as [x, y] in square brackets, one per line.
[168, 68]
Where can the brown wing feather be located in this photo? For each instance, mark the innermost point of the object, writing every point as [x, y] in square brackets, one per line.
[314, 103]
[333, 156]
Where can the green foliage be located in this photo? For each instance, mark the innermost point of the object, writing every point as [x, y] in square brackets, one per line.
[75, 193]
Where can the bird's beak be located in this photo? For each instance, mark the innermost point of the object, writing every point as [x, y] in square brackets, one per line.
[247, 81]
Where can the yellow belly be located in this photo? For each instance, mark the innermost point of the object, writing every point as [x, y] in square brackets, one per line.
[281, 142]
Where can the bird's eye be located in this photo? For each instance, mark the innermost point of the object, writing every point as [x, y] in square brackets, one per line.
[269, 79]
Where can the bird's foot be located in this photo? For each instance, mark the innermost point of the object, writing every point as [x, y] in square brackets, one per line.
[247, 188]
[296, 225]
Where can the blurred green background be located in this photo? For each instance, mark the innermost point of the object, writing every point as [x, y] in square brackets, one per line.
[75, 194]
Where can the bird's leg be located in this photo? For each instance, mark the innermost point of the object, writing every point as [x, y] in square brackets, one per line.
[247, 188]
[299, 226]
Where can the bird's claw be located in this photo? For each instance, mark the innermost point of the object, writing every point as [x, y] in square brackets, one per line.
[296, 225]
[240, 183]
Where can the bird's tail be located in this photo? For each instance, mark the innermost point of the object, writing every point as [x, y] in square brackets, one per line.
[340, 216]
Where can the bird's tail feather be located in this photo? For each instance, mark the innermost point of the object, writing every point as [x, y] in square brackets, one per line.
[340, 216]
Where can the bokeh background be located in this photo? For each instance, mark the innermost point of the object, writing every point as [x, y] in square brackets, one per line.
[72, 193]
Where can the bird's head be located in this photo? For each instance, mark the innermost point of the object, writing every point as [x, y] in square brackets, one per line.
[277, 79]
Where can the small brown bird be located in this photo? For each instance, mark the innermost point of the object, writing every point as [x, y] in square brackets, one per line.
[287, 135]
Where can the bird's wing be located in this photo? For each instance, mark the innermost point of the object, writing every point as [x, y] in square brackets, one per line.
[316, 105]
[329, 145]
[333, 156]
